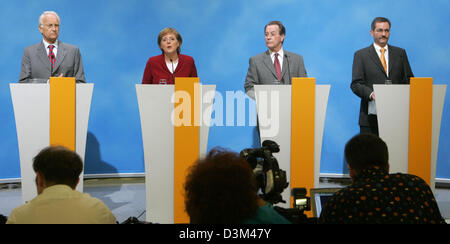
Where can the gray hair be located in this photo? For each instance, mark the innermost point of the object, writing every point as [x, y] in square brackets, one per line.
[45, 13]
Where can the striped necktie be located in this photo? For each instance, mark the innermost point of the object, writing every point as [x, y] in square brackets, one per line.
[51, 55]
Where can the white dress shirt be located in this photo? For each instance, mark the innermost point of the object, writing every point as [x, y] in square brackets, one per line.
[372, 109]
[172, 66]
[55, 48]
[386, 54]
[280, 57]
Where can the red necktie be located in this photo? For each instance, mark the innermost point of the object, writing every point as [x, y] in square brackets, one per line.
[276, 63]
[51, 55]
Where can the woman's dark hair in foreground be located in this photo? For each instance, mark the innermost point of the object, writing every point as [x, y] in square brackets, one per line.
[220, 189]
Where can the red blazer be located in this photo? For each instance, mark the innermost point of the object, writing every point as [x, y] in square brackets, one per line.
[156, 71]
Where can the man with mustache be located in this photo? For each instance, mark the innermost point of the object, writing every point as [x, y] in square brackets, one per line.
[379, 63]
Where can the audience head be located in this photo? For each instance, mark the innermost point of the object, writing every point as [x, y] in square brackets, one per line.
[364, 151]
[57, 165]
[221, 189]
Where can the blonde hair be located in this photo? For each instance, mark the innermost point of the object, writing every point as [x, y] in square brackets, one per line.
[169, 30]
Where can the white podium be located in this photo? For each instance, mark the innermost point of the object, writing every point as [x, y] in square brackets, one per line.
[31, 104]
[157, 107]
[393, 112]
[276, 112]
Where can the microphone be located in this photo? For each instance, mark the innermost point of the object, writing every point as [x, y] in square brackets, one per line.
[173, 71]
[288, 70]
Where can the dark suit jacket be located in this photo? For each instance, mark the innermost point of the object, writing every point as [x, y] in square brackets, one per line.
[368, 70]
[262, 71]
[36, 65]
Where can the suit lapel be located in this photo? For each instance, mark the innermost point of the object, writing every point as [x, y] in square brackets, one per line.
[163, 63]
[373, 54]
[391, 59]
[268, 62]
[42, 54]
[59, 56]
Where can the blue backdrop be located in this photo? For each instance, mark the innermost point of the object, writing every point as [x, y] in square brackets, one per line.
[117, 37]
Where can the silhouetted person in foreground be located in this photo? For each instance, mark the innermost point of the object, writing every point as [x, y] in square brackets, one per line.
[377, 197]
[57, 174]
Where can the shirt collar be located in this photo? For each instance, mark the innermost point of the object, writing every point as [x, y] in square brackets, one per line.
[378, 48]
[280, 53]
[46, 44]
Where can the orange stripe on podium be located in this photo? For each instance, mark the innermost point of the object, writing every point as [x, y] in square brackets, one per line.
[302, 132]
[187, 138]
[62, 112]
[420, 127]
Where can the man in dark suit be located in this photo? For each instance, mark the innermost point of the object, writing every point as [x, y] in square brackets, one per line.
[51, 57]
[274, 66]
[377, 64]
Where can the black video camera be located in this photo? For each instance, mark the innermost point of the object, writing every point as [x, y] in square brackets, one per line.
[271, 179]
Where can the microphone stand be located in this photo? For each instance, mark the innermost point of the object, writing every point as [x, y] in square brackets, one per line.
[289, 72]
[173, 71]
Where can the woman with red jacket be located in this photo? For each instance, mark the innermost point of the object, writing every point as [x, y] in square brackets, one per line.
[163, 69]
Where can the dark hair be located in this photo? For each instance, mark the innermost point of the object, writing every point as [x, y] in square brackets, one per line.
[366, 150]
[58, 165]
[220, 189]
[379, 20]
[280, 26]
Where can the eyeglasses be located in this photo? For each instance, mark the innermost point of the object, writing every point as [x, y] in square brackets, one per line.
[50, 26]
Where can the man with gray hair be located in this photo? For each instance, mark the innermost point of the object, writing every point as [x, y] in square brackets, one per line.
[50, 57]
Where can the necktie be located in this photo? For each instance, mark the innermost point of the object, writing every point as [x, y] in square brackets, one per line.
[276, 63]
[51, 56]
[383, 60]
